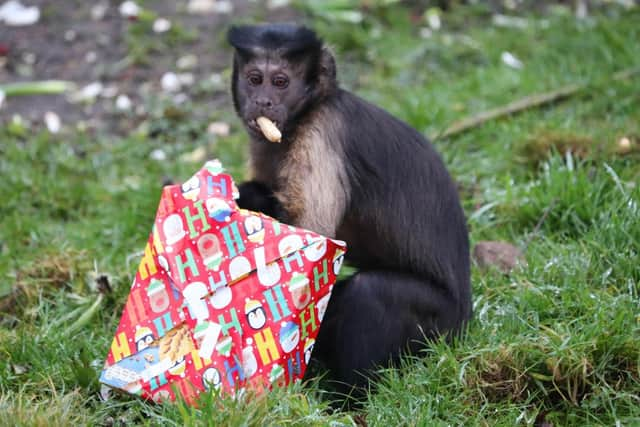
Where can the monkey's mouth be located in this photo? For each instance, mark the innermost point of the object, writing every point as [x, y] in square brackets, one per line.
[253, 124]
[268, 128]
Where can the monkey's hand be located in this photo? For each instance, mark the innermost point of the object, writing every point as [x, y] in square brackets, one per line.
[256, 196]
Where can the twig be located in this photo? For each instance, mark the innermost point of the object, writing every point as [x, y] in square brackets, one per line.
[526, 103]
[541, 221]
[46, 87]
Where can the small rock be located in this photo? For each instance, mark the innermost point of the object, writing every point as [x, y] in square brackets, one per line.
[161, 25]
[187, 62]
[129, 9]
[180, 98]
[170, 82]
[109, 91]
[510, 60]
[218, 128]
[186, 79]
[508, 21]
[52, 121]
[624, 145]
[70, 35]
[20, 369]
[209, 6]
[502, 255]
[275, 4]
[29, 58]
[201, 6]
[158, 155]
[98, 11]
[91, 91]
[15, 14]
[91, 57]
[123, 103]
[223, 6]
[216, 80]
[88, 93]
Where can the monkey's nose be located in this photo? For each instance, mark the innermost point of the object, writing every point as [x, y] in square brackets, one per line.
[264, 102]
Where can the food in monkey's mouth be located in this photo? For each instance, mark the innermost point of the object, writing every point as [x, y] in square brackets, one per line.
[269, 129]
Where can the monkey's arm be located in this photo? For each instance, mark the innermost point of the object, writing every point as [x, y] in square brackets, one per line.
[256, 196]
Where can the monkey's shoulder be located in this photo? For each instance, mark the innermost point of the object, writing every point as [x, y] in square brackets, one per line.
[370, 134]
[363, 118]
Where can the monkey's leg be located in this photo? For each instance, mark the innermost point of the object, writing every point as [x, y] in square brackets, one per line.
[374, 317]
[256, 196]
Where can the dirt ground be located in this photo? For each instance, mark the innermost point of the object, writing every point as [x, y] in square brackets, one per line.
[72, 41]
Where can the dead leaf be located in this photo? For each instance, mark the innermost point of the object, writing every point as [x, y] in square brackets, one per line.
[502, 255]
[218, 128]
[20, 369]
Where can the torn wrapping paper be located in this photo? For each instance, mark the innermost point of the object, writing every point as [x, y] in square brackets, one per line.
[223, 298]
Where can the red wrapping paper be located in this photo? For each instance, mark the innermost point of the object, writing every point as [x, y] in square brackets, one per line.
[223, 298]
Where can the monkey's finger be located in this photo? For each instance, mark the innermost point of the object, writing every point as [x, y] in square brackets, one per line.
[269, 129]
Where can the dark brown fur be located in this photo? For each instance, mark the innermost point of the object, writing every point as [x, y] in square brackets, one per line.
[349, 170]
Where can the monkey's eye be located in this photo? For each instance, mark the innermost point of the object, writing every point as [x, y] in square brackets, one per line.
[280, 81]
[255, 79]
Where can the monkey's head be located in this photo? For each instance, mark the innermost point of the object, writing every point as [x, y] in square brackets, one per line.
[280, 71]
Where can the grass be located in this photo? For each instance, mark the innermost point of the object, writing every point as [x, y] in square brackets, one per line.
[143, 43]
[556, 341]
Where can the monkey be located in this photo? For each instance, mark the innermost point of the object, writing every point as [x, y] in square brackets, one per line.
[349, 170]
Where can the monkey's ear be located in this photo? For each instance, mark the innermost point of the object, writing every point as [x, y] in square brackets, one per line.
[327, 64]
[243, 39]
[326, 71]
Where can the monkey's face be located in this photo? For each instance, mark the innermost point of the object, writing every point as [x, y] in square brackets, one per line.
[269, 86]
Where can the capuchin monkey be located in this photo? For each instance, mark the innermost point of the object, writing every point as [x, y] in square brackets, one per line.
[349, 170]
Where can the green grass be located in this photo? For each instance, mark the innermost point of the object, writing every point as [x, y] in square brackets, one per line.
[556, 341]
[143, 43]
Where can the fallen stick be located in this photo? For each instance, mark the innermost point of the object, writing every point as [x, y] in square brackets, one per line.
[46, 87]
[525, 103]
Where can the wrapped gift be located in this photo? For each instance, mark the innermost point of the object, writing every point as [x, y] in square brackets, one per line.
[224, 298]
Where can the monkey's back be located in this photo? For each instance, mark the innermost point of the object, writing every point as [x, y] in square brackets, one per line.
[404, 212]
